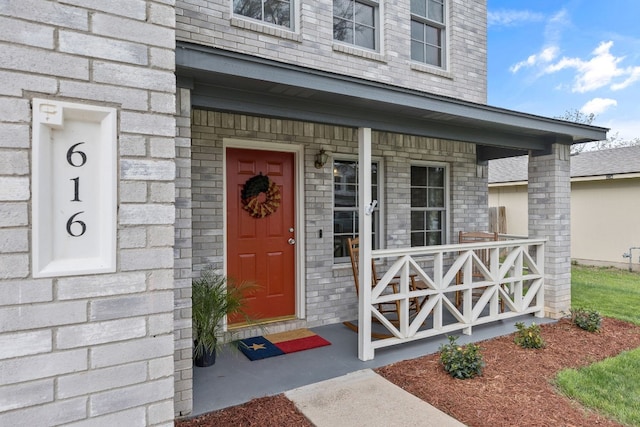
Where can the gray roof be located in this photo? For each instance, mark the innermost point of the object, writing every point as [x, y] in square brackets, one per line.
[613, 161]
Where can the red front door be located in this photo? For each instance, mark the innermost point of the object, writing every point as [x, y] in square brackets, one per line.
[261, 248]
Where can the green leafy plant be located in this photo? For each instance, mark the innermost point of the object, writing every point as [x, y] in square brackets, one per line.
[213, 297]
[589, 320]
[528, 336]
[461, 362]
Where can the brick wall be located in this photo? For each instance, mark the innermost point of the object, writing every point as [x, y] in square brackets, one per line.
[211, 23]
[330, 296]
[95, 349]
[550, 217]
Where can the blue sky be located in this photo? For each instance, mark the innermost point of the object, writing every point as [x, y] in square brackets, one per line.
[547, 57]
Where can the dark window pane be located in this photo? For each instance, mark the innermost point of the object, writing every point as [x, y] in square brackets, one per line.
[436, 198]
[365, 37]
[345, 195]
[418, 176]
[434, 56]
[277, 12]
[417, 239]
[433, 35]
[340, 246]
[434, 239]
[365, 14]
[343, 8]
[374, 192]
[417, 51]
[347, 170]
[434, 220]
[436, 10]
[417, 220]
[342, 30]
[436, 177]
[417, 31]
[418, 198]
[343, 222]
[419, 7]
[249, 8]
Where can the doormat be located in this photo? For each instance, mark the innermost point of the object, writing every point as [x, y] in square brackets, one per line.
[271, 345]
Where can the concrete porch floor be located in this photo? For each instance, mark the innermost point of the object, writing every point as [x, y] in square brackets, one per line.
[234, 379]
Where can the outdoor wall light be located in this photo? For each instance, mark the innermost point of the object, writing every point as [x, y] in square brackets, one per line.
[320, 159]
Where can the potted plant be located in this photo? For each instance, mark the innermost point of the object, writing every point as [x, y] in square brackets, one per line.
[214, 296]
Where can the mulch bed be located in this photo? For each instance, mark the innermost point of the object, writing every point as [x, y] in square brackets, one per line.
[515, 387]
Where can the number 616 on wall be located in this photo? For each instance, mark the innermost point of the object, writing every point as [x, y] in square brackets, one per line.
[74, 188]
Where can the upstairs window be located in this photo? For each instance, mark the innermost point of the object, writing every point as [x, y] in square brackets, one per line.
[428, 205]
[345, 206]
[276, 12]
[428, 32]
[355, 22]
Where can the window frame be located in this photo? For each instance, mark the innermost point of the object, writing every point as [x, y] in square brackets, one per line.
[443, 27]
[378, 242]
[377, 31]
[447, 203]
[293, 16]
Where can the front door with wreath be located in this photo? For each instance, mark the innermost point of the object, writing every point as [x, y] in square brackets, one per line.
[260, 229]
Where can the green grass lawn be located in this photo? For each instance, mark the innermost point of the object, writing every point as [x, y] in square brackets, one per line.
[613, 292]
[613, 385]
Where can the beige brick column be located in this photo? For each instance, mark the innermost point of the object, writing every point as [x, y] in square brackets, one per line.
[549, 217]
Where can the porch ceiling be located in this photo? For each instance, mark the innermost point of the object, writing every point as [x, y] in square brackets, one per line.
[228, 81]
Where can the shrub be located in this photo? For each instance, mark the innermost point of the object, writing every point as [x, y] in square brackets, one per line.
[589, 320]
[461, 362]
[528, 336]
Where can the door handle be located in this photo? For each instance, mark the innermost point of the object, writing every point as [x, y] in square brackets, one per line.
[291, 241]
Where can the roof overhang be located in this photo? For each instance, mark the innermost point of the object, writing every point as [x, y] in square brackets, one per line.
[229, 81]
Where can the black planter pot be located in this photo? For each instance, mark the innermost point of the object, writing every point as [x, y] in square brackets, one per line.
[206, 359]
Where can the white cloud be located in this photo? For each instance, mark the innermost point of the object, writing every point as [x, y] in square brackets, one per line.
[634, 76]
[558, 23]
[601, 70]
[552, 34]
[508, 17]
[593, 74]
[598, 106]
[545, 56]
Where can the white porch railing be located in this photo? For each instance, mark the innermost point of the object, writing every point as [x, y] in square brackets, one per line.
[513, 275]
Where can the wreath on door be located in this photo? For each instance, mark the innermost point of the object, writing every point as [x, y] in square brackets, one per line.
[260, 196]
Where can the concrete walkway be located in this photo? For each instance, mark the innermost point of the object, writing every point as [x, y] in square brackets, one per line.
[364, 398]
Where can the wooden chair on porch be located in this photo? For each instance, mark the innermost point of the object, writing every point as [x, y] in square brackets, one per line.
[483, 255]
[388, 308]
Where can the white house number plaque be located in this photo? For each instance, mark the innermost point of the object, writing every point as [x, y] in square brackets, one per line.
[74, 188]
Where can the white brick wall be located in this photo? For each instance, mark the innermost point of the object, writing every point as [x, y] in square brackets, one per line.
[90, 350]
[210, 22]
[549, 193]
[330, 294]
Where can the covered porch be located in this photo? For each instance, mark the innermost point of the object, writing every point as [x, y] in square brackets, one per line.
[228, 99]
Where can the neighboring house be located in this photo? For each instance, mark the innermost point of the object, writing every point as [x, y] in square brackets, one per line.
[605, 202]
[165, 110]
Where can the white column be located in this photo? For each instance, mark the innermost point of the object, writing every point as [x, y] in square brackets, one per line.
[365, 350]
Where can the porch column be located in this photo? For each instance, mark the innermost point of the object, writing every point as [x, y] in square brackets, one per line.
[183, 339]
[549, 217]
[365, 352]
